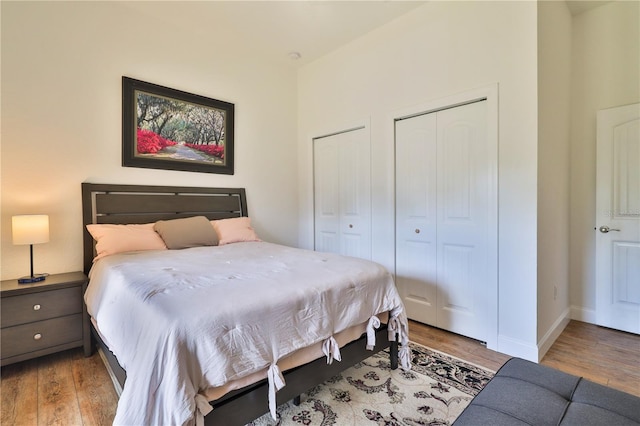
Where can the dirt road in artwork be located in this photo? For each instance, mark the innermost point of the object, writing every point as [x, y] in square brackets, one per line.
[184, 153]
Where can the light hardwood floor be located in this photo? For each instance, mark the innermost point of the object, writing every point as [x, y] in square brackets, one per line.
[69, 389]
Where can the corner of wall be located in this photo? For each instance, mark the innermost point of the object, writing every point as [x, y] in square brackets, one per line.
[553, 333]
[580, 313]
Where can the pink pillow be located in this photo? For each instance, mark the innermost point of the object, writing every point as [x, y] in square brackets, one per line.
[112, 239]
[234, 230]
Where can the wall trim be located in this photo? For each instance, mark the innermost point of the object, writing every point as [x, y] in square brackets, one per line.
[517, 348]
[580, 313]
[488, 92]
[553, 333]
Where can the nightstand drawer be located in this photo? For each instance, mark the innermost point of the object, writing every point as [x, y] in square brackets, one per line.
[31, 337]
[39, 306]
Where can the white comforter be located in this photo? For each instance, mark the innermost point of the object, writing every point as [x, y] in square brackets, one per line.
[181, 321]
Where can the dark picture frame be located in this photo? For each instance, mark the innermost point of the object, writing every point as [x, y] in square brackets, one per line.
[164, 128]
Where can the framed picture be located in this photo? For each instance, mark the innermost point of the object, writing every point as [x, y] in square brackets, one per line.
[164, 128]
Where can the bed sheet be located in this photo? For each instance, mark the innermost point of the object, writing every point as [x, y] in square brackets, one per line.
[184, 321]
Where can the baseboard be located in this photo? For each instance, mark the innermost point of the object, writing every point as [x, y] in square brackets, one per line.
[580, 313]
[518, 348]
[553, 333]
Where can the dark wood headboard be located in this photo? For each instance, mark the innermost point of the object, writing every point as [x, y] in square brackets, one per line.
[122, 204]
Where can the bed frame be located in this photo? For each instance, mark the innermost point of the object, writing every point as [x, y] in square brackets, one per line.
[121, 204]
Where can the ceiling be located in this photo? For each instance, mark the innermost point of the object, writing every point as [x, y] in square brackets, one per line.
[312, 28]
[277, 28]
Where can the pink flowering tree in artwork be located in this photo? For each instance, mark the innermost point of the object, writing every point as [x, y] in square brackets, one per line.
[213, 150]
[151, 143]
[163, 122]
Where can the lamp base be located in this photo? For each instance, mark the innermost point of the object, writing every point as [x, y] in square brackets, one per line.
[32, 279]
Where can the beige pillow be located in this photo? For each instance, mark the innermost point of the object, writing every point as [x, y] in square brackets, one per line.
[234, 230]
[112, 239]
[188, 232]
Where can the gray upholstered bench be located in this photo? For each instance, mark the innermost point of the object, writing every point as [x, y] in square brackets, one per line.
[526, 393]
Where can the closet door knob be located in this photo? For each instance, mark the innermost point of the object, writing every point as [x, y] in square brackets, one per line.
[350, 225]
[417, 231]
[37, 336]
[36, 307]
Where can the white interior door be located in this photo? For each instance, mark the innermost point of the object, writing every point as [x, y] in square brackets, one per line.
[355, 194]
[416, 232]
[326, 192]
[464, 166]
[444, 173]
[618, 218]
[342, 193]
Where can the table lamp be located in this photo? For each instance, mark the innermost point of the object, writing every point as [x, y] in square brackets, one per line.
[30, 229]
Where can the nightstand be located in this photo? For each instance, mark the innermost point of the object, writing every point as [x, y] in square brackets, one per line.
[42, 318]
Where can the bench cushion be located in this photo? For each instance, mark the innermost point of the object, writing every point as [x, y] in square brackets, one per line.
[526, 393]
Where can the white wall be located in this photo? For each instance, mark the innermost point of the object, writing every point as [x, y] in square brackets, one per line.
[62, 64]
[605, 70]
[554, 136]
[440, 49]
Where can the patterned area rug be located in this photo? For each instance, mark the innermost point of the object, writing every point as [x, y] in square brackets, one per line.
[434, 392]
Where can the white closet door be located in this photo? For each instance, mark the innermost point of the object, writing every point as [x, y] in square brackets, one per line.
[342, 193]
[443, 193]
[416, 267]
[355, 194]
[326, 195]
[463, 197]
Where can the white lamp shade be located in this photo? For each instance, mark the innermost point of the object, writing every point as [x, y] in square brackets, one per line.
[30, 229]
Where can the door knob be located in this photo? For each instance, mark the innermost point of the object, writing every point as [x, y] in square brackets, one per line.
[604, 229]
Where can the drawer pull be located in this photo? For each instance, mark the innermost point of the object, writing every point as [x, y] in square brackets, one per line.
[36, 307]
[37, 336]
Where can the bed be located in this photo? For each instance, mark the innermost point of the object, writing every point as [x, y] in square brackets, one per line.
[298, 366]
